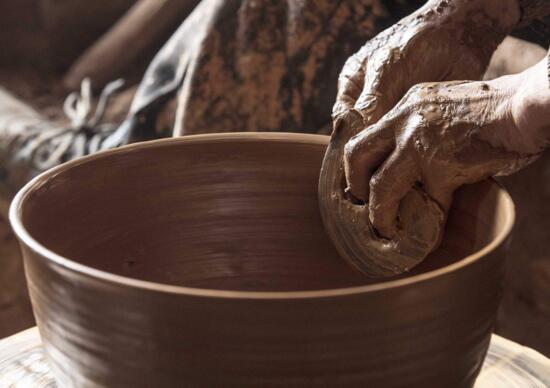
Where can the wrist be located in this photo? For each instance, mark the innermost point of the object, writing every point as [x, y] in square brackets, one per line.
[530, 105]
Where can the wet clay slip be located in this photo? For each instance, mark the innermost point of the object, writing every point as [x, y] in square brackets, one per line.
[388, 139]
[347, 222]
[202, 261]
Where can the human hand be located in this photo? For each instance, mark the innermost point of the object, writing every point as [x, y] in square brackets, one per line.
[444, 40]
[444, 135]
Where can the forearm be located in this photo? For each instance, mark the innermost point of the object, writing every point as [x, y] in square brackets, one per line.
[516, 106]
[531, 105]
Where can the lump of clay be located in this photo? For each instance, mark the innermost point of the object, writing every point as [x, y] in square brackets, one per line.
[420, 223]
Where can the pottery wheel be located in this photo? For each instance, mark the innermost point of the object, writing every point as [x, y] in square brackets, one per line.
[507, 365]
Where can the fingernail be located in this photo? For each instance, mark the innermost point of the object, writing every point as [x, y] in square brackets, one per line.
[352, 198]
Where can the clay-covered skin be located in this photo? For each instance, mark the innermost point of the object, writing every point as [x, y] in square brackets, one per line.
[347, 222]
[443, 135]
[444, 40]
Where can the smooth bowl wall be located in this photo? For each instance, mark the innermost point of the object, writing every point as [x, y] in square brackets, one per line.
[202, 261]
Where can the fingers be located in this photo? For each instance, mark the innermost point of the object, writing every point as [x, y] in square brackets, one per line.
[388, 186]
[439, 192]
[383, 87]
[371, 82]
[363, 154]
[350, 84]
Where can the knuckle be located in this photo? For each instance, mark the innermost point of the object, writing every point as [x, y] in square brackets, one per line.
[340, 108]
[414, 90]
[374, 130]
[368, 102]
[420, 89]
[355, 61]
[350, 151]
[353, 67]
[377, 186]
[419, 92]
[363, 140]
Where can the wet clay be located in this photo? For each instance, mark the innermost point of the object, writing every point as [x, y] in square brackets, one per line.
[347, 222]
[442, 41]
[236, 227]
[201, 261]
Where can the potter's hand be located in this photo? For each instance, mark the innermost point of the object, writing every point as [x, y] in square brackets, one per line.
[444, 135]
[444, 40]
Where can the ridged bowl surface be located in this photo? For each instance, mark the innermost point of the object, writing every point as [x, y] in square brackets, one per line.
[202, 261]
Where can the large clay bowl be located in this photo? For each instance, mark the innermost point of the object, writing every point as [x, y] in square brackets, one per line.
[202, 261]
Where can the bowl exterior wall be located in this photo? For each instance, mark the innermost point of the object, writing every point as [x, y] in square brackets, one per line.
[432, 333]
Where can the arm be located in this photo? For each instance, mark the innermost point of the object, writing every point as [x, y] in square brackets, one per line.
[434, 138]
[444, 40]
[530, 106]
[444, 135]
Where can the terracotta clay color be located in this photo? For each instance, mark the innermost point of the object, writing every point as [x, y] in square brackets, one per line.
[443, 40]
[421, 219]
[202, 261]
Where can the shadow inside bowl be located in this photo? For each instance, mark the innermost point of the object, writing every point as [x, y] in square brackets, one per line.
[233, 214]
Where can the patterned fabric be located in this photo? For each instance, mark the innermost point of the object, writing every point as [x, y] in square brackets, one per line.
[238, 65]
[273, 65]
[268, 65]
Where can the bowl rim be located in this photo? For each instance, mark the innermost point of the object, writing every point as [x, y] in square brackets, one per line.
[16, 210]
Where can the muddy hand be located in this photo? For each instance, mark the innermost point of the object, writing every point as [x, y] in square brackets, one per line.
[444, 40]
[444, 135]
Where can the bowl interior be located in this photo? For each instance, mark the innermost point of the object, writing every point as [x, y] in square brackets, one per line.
[231, 212]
